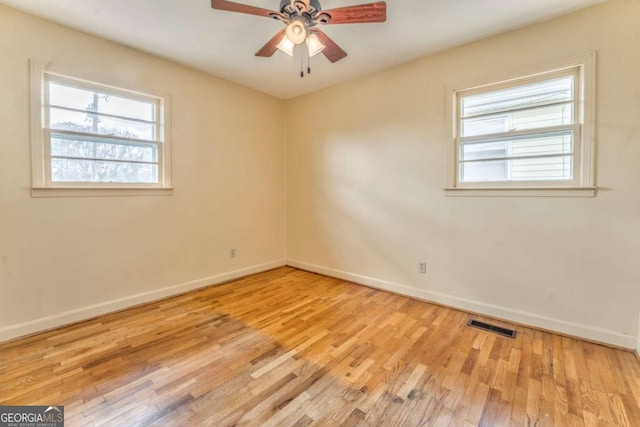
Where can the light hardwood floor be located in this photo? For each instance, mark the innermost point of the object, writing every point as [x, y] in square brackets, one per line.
[288, 347]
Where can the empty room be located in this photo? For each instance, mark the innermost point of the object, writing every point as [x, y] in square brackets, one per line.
[319, 212]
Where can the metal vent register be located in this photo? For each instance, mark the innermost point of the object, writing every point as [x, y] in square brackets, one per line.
[492, 328]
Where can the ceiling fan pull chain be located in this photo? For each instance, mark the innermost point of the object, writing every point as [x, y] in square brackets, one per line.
[308, 61]
[301, 65]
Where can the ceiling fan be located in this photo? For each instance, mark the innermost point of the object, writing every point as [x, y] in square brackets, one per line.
[302, 18]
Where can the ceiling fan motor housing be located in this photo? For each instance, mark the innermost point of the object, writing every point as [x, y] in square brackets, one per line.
[287, 6]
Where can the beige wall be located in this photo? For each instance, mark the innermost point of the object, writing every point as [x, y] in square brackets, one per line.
[366, 170]
[62, 259]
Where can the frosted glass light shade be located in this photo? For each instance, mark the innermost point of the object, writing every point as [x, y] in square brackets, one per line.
[296, 32]
[286, 45]
[314, 45]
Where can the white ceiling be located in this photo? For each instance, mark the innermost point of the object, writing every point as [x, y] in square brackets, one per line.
[223, 43]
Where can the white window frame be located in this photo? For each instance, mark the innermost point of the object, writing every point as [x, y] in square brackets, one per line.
[583, 184]
[42, 186]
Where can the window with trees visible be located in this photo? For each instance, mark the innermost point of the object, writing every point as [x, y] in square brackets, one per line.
[525, 132]
[94, 135]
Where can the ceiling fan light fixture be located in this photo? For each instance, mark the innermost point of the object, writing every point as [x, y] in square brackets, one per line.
[296, 32]
[302, 18]
[286, 45]
[314, 45]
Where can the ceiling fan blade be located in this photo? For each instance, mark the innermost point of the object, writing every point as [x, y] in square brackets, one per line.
[240, 8]
[271, 46]
[370, 12]
[331, 50]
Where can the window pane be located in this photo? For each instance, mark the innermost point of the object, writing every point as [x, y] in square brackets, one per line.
[487, 171]
[523, 96]
[541, 145]
[531, 145]
[71, 146]
[540, 117]
[485, 125]
[542, 169]
[95, 123]
[69, 97]
[553, 115]
[484, 150]
[84, 99]
[530, 169]
[72, 170]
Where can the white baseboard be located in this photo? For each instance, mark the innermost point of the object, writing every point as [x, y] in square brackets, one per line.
[71, 316]
[508, 314]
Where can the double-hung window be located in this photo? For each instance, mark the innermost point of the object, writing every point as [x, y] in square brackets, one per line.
[532, 132]
[93, 136]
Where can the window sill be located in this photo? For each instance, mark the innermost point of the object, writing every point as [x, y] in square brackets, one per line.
[520, 192]
[99, 192]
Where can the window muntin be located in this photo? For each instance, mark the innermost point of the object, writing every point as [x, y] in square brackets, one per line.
[90, 135]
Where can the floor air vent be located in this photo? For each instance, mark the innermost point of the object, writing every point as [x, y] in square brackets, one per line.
[492, 328]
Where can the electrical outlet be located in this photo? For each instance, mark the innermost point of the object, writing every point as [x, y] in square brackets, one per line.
[422, 267]
[232, 252]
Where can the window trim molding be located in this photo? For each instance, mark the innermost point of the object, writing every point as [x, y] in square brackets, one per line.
[39, 192]
[521, 192]
[41, 185]
[586, 181]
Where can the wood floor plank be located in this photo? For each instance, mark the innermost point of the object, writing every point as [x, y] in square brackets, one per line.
[292, 348]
